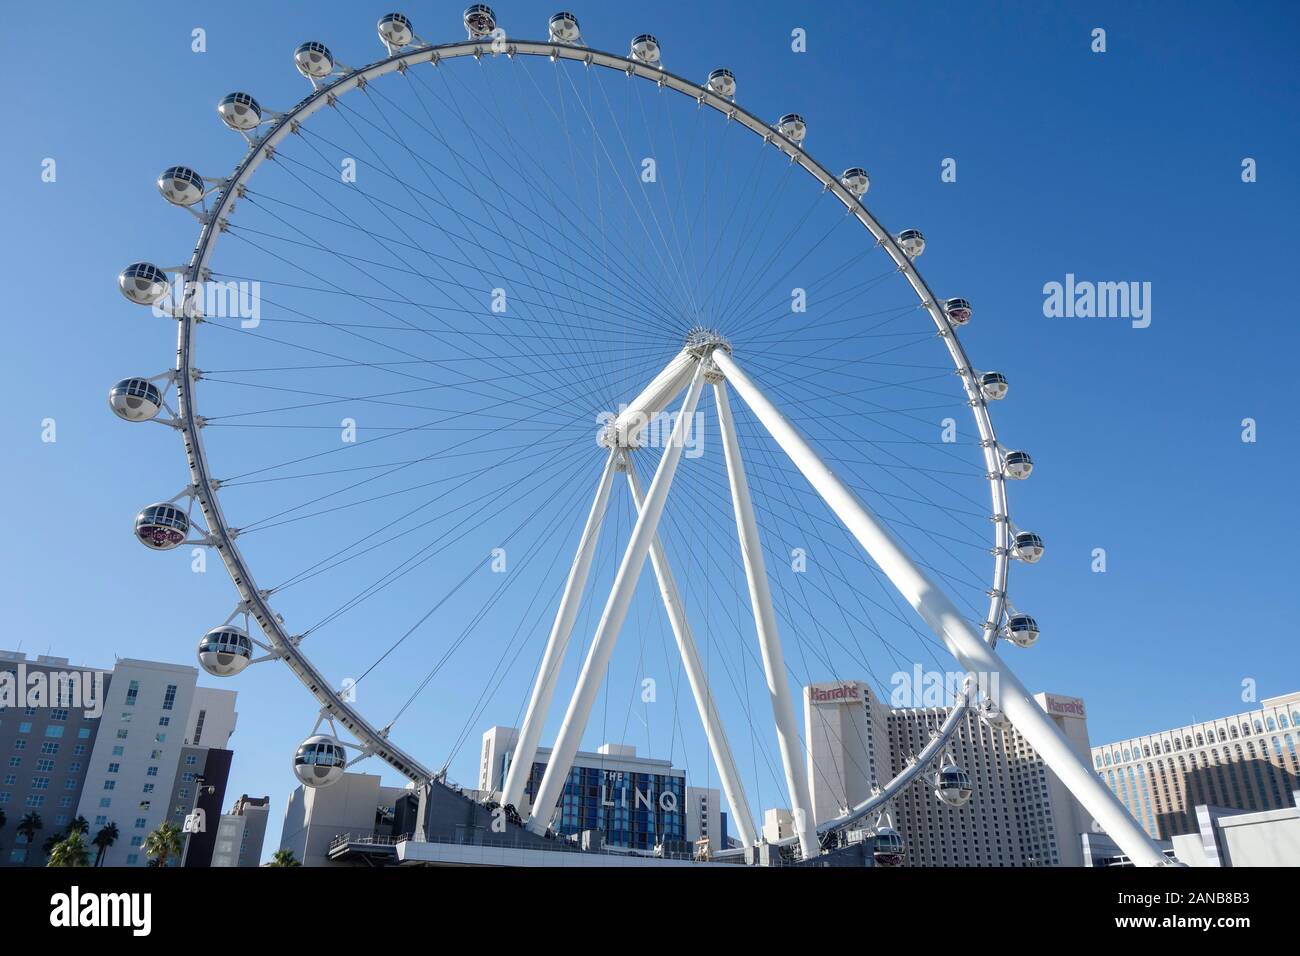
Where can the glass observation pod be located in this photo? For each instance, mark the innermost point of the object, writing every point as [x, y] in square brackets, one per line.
[480, 20]
[994, 386]
[240, 111]
[395, 29]
[723, 82]
[645, 49]
[792, 127]
[856, 181]
[958, 311]
[952, 785]
[162, 526]
[1022, 630]
[911, 242]
[319, 761]
[143, 283]
[888, 849]
[181, 185]
[313, 60]
[1027, 547]
[135, 399]
[225, 651]
[1018, 465]
[563, 28]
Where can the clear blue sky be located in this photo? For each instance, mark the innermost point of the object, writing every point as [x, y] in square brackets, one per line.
[1115, 167]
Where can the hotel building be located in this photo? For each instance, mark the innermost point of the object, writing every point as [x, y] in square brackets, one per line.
[1019, 815]
[1245, 761]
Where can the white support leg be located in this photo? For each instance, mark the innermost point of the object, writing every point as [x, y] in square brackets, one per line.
[602, 645]
[654, 398]
[695, 674]
[943, 617]
[769, 639]
[539, 705]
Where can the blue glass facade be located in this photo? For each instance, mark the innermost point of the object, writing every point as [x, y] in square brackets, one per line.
[635, 810]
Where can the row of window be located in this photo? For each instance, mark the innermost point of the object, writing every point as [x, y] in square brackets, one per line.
[1268, 725]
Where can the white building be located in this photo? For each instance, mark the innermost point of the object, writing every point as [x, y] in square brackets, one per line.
[241, 833]
[704, 817]
[316, 816]
[846, 735]
[132, 771]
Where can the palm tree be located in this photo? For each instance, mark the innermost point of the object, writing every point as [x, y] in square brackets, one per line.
[104, 839]
[79, 825]
[163, 844]
[29, 826]
[283, 858]
[70, 851]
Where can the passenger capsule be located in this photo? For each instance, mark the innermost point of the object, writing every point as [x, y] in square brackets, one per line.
[723, 82]
[320, 761]
[225, 651]
[992, 714]
[181, 185]
[1017, 465]
[645, 49]
[792, 127]
[395, 30]
[911, 242]
[480, 20]
[313, 60]
[162, 526]
[240, 112]
[856, 181]
[135, 399]
[1022, 630]
[952, 786]
[143, 283]
[957, 310]
[1027, 547]
[888, 849]
[563, 28]
[994, 386]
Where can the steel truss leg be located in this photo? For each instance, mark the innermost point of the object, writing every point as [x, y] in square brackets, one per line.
[602, 645]
[769, 638]
[943, 617]
[695, 674]
[539, 705]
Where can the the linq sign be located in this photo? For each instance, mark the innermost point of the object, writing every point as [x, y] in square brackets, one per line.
[614, 793]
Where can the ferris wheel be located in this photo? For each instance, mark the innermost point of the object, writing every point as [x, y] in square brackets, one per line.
[495, 321]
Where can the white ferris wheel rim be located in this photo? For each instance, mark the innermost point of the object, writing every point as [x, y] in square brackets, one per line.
[372, 740]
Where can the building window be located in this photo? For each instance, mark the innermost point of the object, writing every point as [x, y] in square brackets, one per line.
[169, 698]
[132, 692]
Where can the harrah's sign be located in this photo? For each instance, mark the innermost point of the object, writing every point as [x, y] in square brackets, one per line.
[1065, 706]
[835, 695]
